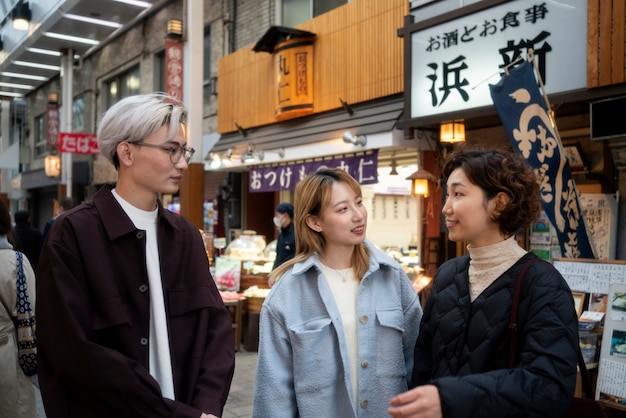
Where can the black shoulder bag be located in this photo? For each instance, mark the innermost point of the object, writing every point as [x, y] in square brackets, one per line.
[579, 407]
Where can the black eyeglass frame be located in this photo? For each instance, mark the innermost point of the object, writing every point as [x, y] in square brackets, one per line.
[185, 152]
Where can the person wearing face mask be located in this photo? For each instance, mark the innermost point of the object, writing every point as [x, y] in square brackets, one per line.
[286, 245]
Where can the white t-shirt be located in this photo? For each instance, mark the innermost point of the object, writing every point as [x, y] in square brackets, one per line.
[159, 347]
[345, 289]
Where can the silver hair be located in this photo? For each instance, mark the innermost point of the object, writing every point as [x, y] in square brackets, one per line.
[134, 118]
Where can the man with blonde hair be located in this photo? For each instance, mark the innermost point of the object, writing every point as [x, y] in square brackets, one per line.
[130, 322]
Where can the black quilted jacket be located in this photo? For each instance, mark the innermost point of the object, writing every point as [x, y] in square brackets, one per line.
[463, 347]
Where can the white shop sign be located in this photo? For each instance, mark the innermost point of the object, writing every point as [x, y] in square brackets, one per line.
[454, 62]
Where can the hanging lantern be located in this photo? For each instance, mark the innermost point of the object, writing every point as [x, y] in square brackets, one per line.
[52, 165]
[419, 182]
[453, 131]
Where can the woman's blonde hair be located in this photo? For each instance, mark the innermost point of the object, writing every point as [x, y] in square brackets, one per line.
[313, 194]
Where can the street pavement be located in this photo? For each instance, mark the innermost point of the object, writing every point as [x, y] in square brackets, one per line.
[239, 402]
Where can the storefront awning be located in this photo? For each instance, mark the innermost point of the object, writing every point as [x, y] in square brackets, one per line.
[278, 34]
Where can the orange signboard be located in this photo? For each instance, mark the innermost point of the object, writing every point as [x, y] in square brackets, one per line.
[293, 66]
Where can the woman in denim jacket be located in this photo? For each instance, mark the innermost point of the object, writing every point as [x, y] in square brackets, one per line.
[338, 328]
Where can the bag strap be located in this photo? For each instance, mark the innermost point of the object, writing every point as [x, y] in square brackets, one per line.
[23, 304]
[515, 309]
[584, 373]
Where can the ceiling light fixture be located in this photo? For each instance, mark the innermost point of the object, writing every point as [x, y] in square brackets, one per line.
[10, 94]
[24, 76]
[253, 155]
[44, 52]
[135, 3]
[349, 138]
[21, 16]
[16, 86]
[71, 38]
[48, 52]
[88, 19]
[37, 65]
[227, 160]
[216, 162]
[249, 156]
[260, 154]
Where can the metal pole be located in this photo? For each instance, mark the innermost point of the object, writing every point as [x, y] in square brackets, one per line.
[420, 214]
[193, 75]
[67, 97]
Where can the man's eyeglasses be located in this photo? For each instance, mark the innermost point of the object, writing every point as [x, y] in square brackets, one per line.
[176, 151]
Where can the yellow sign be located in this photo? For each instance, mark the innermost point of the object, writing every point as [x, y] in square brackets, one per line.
[293, 66]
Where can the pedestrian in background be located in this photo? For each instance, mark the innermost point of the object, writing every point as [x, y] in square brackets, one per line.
[27, 238]
[286, 243]
[65, 204]
[17, 395]
[339, 326]
[462, 353]
[131, 323]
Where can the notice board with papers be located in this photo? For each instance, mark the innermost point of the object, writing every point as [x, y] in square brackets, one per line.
[604, 282]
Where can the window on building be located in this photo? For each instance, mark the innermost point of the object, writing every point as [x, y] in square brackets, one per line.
[41, 147]
[18, 127]
[294, 12]
[122, 85]
[78, 114]
[206, 68]
[159, 71]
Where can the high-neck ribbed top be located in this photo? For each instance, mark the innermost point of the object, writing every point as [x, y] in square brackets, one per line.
[489, 262]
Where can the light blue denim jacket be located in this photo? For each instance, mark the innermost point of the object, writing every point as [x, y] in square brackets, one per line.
[302, 368]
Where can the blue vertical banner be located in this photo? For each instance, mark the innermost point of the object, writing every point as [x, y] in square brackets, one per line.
[525, 118]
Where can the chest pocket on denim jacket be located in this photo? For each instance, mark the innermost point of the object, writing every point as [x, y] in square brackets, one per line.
[315, 354]
[389, 332]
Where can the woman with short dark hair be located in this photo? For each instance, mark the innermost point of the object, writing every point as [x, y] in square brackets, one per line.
[462, 353]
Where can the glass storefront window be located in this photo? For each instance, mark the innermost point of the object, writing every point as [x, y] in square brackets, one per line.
[40, 135]
[122, 85]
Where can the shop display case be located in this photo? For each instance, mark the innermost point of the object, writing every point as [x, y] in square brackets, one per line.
[247, 260]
